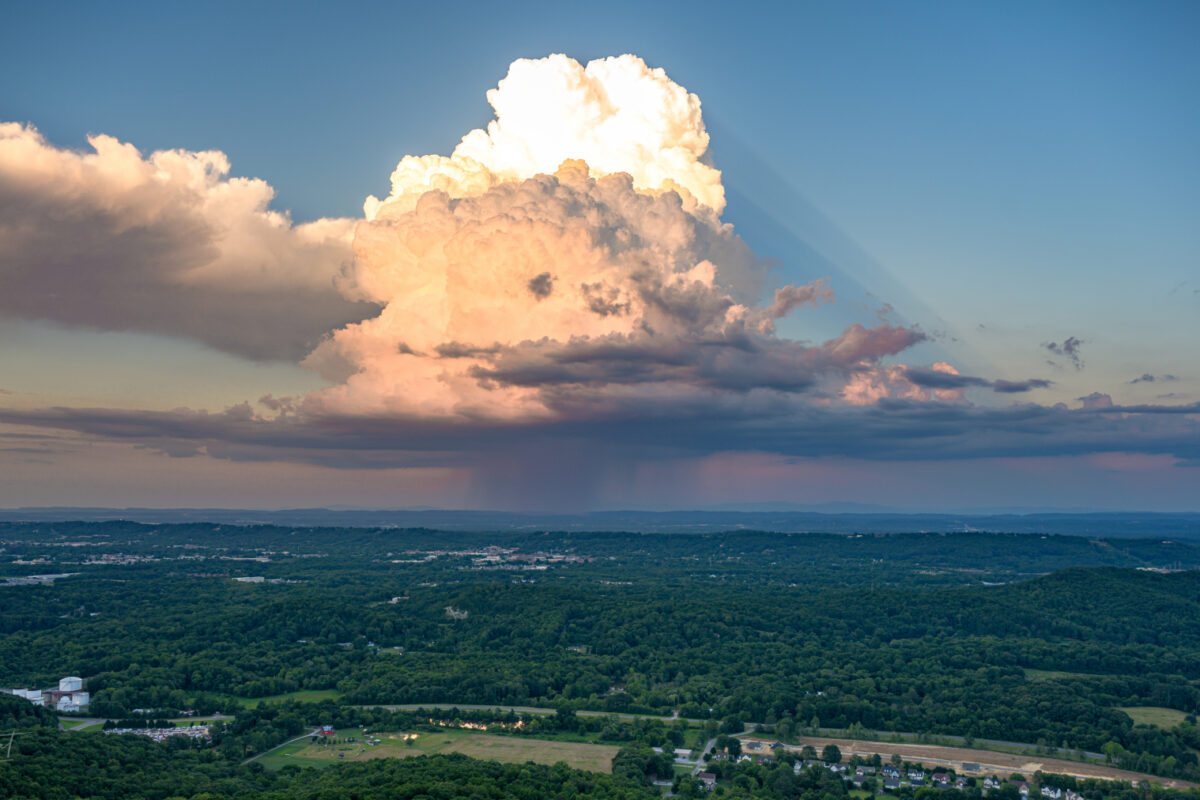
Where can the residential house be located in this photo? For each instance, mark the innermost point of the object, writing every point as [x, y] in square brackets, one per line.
[708, 780]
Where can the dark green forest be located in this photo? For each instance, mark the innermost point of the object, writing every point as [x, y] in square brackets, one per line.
[1032, 639]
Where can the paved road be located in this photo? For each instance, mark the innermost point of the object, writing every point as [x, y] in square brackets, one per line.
[709, 745]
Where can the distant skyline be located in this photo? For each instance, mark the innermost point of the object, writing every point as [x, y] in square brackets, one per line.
[963, 269]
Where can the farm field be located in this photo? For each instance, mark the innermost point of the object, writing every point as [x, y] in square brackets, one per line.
[487, 747]
[1154, 715]
[989, 761]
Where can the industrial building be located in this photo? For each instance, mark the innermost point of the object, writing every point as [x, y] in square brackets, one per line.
[69, 696]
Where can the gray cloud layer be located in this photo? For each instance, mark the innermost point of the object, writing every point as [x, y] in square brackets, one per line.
[763, 421]
[936, 379]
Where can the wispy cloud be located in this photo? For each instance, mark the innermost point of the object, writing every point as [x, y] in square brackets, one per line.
[942, 379]
[1069, 349]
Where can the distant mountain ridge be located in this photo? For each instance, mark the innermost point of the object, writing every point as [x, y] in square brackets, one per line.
[1122, 524]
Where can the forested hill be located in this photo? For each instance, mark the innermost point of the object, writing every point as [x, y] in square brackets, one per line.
[1025, 638]
[906, 558]
[1110, 605]
[17, 713]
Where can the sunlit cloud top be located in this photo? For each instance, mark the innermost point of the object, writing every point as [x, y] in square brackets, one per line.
[615, 114]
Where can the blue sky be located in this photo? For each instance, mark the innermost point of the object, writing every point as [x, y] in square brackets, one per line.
[1006, 175]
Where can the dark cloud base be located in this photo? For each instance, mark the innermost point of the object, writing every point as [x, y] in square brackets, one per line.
[893, 430]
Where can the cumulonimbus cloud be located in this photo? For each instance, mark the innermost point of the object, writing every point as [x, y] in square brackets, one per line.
[564, 276]
[166, 243]
[574, 246]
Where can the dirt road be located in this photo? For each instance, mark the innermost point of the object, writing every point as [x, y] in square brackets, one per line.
[983, 761]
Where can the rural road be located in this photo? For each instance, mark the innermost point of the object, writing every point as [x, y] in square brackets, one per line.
[981, 761]
[313, 732]
[525, 710]
[709, 745]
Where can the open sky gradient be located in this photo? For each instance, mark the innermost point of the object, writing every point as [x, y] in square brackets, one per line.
[922, 255]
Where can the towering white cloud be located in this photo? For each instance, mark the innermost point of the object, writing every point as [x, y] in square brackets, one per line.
[572, 256]
[615, 114]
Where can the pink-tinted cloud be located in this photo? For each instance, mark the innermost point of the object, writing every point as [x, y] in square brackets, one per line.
[166, 243]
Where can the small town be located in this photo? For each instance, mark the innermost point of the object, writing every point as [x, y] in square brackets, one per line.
[879, 777]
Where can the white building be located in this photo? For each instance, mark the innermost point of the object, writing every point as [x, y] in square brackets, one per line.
[32, 695]
[66, 704]
[70, 684]
[81, 699]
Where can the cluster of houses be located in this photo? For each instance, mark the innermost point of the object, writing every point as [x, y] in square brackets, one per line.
[893, 777]
[889, 777]
[69, 696]
[1048, 792]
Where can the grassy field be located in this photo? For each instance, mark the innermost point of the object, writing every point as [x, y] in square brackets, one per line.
[507, 749]
[1153, 715]
[73, 724]
[303, 696]
[184, 722]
